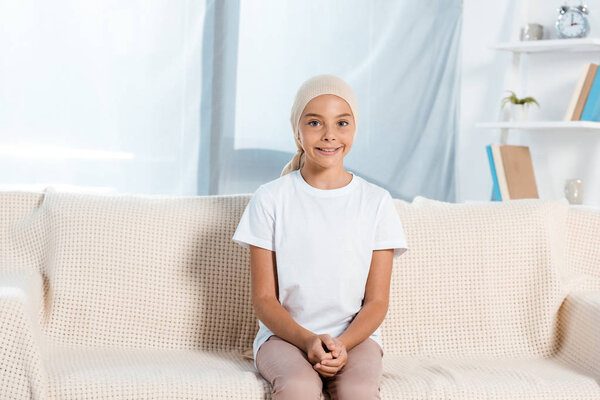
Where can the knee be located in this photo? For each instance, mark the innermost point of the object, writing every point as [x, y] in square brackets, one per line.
[358, 389]
[299, 385]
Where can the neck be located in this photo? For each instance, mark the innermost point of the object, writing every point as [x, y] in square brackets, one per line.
[325, 178]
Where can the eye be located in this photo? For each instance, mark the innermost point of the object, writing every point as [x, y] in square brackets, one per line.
[310, 122]
[345, 123]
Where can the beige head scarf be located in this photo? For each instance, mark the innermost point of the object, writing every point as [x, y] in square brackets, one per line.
[313, 87]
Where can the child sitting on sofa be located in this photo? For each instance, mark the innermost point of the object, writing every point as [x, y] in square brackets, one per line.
[322, 241]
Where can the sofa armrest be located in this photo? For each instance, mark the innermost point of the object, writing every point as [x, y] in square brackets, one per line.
[22, 373]
[579, 332]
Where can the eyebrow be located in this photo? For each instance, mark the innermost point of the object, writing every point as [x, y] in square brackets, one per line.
[317, 115]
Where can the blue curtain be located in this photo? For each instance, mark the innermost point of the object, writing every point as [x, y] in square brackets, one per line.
[402, 60]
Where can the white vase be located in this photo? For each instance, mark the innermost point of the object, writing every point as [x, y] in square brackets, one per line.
[518, 112]
[574, 190]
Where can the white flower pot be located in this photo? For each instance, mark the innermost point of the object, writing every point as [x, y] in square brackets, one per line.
[518, 112]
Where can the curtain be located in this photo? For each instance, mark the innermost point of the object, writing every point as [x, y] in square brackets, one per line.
[194, 97]
[402, 62]
[101, 96]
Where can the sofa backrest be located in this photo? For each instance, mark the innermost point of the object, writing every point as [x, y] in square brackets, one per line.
[477, 279]
[136, 271]
[583, 247]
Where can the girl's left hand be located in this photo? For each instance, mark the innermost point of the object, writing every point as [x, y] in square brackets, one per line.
[329, 367]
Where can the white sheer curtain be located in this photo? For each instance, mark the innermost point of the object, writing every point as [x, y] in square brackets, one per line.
[100, 96]
[193, 97]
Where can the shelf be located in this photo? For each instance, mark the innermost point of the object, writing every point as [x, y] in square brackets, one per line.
[560, 45]
[546, 125]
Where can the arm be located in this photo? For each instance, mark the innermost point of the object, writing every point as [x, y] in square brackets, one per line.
[376, 301]
[265, 299]
[22, 372]
[579, 336]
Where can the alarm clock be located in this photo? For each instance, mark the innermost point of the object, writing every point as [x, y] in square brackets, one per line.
[572, 22]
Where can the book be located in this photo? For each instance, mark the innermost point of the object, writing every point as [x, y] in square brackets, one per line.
[512, 172]
[582, 90]
[502, 186]
[591, 110]
[516, 171]
[495, 188]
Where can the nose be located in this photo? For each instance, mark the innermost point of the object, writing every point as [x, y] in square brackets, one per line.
[328, 135]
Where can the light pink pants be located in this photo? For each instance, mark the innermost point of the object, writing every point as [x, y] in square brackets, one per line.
[292, 376]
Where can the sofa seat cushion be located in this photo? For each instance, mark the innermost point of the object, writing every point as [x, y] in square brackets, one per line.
[105, 373]
[406, 377]
[174, 374]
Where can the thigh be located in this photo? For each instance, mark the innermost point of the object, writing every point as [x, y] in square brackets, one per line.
[360, 376]
[287, 369]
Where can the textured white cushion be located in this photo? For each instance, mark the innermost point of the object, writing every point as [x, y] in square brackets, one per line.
[410, 377]
[477, 279]
[180, 374]
[141, 271]
[23, 373]
[583, 247]
[578, 339]
[107, 373]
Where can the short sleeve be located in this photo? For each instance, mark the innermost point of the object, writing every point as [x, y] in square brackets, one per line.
[257, 224]
[389, 232]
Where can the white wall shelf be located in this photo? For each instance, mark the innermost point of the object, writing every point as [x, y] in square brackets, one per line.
[590, 45]
[565, 50]
[545, 125]
[552, 45]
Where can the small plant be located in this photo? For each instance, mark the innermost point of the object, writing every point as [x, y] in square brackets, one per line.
[513, 99]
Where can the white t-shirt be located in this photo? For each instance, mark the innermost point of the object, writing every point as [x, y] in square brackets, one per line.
[323, 241]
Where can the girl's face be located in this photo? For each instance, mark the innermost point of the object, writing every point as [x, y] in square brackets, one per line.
[326, 123]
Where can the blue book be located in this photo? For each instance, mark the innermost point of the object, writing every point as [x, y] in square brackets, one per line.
[496, 196]
[591, 110]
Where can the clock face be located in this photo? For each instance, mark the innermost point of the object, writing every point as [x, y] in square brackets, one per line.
[571, 24]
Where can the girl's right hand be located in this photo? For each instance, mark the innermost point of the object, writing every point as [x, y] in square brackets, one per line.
[317, 350]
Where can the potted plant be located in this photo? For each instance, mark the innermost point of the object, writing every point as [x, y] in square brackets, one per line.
[518, 107]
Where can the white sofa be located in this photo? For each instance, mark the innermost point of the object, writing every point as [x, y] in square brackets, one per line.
[147, 297]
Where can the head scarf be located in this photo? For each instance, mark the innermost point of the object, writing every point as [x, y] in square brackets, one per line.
[311, 88]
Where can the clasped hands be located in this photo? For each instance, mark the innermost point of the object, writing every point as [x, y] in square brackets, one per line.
[327, 354]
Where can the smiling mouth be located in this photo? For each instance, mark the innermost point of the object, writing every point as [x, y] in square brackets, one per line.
[328, 152]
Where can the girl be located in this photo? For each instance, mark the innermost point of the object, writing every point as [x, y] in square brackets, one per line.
[322, 241]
